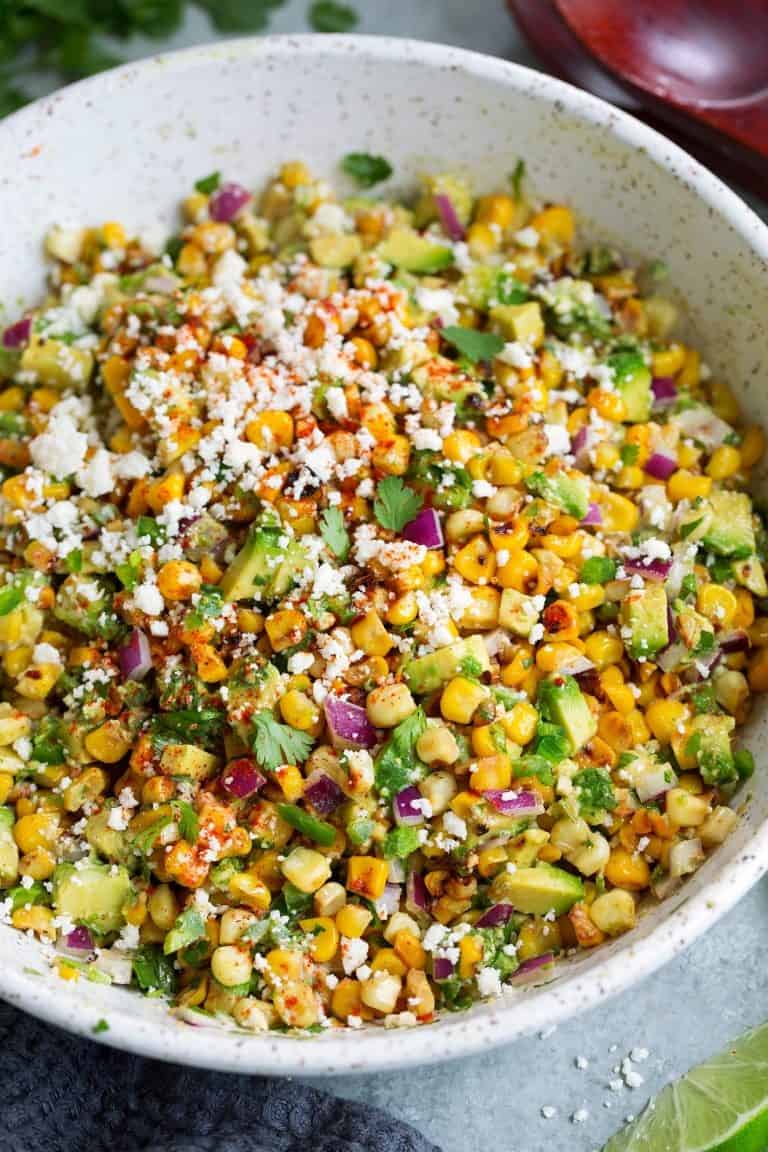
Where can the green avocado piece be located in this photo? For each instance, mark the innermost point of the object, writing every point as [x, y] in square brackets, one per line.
[523, 322]
[730, 531]
[633, 383]
[93, 894]
[463, 658]
[57, 363]
[408, 250]
[560, 701]
[485, 286]
[540, 890]
[266, 565]
[568, 492]
[9, 853]
[644, 614]
[85, 603]
[751, 575]
[107, 842]
[711, 739]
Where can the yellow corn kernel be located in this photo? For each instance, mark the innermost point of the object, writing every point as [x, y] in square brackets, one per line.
[366, 876]
[271, 430]
[520, 723]
[249, 621]
[606, 456]
[555, 225]
[433, 563]
[352, 920]
[718, 604]
[498, 210]
[108, 743]
[752, 446]
[491, 860]
[491, 773]
[295, 173]
[460, 699]
[638, 727]
[470, 955]
[284, 964]
[370, 635]
[745, 609]
[209, 664]
[550, 657]
[387, 960]
[476, 561]
[85, 788]
[724, 462]
[758, 671]
[285, 628]
[482, 240]
[725, 403]
[298, 710]
[165, 489]
[410, 949]
[663, 718]
[36, 830]
[690, 373]
[615, 730]
[619, 513]
[483, 740]
[6, 783]
[40, 864]
[684, 485]
[346, 1000]
[250, 889]
[668, 361]
[17, 660]
[609, 405]
[307, 869]
[291, 781]
[179, 580]
[392, 458]
[627, 870]
[688, 455]
[35, 918]
[504, 469]
[12, 399]
[325, 937]
[365, 353]
[38, 681]
[631, 476]
[113, 234]
[17, 492]
[514, 673]
[520, 572]
[461, 445]
[603, 649]
[403, 610]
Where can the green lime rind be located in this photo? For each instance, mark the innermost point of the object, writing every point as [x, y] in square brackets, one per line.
[720, 1106]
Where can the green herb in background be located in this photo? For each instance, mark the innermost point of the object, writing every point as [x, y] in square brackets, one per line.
[325, 16]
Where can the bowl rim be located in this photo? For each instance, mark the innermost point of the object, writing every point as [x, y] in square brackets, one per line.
[504, 1020]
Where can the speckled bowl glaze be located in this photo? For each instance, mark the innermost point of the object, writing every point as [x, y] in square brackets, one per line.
[128, 144]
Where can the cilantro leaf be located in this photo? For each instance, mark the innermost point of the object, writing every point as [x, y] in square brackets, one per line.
[595, 792]
[395, 504]
[189, 825]
[516, 179]
[201, 726]
[473, 346]
[208, 184]
[153, 971]
[397, 764]
[100, 1026]
[401, 843]
[365, 169]
[275, 744]
[334, 531]
[187, 929]
[239, 15]
[327, 16]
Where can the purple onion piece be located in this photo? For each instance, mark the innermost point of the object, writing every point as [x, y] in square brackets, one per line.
[416, 894]
[348, 724]
[579, 441]
[79, 939]
[135, 656]
[226, 202]
[442, 968]
[660, 466]
[498, 914]
[449, 219]
[593, 516]
[737, 641]
[656, 570]
[664, 391]
[536, 966]
[510, 802]
[17, 335]
[407, 806]
[241, 778]
[323, 793]
[425, 528]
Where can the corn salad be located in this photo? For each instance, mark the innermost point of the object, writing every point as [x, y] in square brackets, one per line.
[380, 598]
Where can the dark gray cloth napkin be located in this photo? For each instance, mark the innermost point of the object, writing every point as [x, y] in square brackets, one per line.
[62, 1093]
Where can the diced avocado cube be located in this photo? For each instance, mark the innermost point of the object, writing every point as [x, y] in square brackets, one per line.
[9, 853]
[456, 188]
[730, 531]
[517, 612]
[337, 250]
[92, 893]
[633, 383]
[444, 380]
[560, 701]
[408, 250]
[56, 363]
[539, 890]
[751, 575]
[644, 615]
[252, 688]
[188, 761]
[108, 842]
[465, 657]
[523, 322]
[266, 565]
[569, 492]
[85, 603]
[711, 743]
[484, 286]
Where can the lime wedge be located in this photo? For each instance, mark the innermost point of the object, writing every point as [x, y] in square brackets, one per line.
[721, 1106]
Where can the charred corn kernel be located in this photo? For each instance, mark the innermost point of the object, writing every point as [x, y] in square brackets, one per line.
[476, 561]
[209, 664]
[158, 790]
[619, 513]
[482, 240]
[627, 870]
[663, 718]
[550, 657]
[271, 430]
[752, 446]
[35, 918]
[40, 864]
[365, 353]
[377, 419]
[609, 405]
[366, 876]
[460, 446]
[393, 457]
[555, 225]
[718, 604]
[370, 635]
[410, 949]
[17, 492]
[251, 890]
[179, 580]
[460, 699]
[285, 628]
[325, 937]
[668, 361]
[491, 773]
[520, 723]
[491, 860]
[37, 830]
[387, 960]
[389, 705]
[690, 373]
[298, 710]
[403, 610]
[498, 210]
[167, 488]
[109, 742]
[85, 789]
[725, 461]
[603, 649]
[683, 485]
[615, 730]
[352, 920]
[183, 865]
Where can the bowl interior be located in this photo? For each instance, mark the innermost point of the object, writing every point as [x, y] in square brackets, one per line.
[128, 145]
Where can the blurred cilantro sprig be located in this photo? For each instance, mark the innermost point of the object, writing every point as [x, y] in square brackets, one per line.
[66, 37]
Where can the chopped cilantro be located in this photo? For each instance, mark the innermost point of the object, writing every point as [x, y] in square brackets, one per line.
[552, 744]
[595, 792]
[395, 504]
[208, 184]
[629, 453]
[100, 1026]
[201, 726]
[401, 843]
[473, 345]
[516, 179]
[275, 744]
[334, 531]
[153, 971]
[397, 764]
[365, 169]
[688, 586]
[189, 825]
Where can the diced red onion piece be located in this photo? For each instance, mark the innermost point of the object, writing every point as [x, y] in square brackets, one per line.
[512, 803]
[416, 895]
[449, 219]
[593, 516]
[656, 570]
[389, 901]
[242, 778]
[737, 641]
[135, 656]
[685, 857]
[79, 940]
[348, 724]
[579, 441]
[226, 202]
[702, 667]
[660, 466]
[407, 806]
[664, 390]
[323, 793]
[498, 914]
[17, 335]
[531, 969]
[425, 528]
[442, 968]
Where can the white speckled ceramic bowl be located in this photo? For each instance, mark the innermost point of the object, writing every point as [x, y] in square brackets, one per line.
[127, 145]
